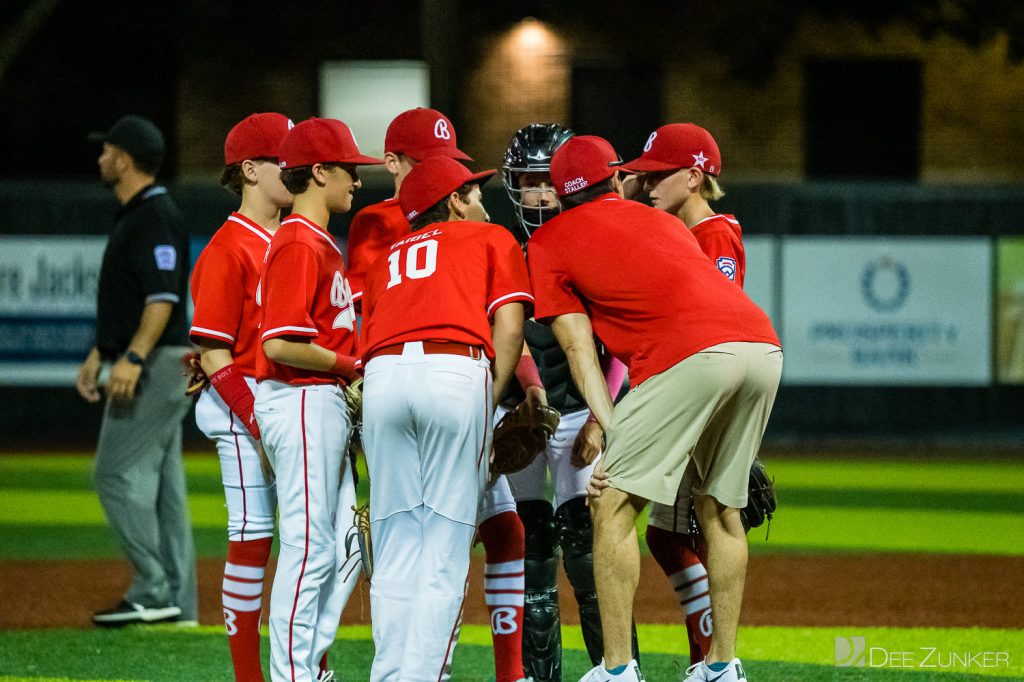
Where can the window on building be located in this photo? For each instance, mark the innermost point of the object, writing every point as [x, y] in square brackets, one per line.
[368, 94]
[862, 118]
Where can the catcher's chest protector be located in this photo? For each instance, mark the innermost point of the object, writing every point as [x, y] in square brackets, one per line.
[554, 372]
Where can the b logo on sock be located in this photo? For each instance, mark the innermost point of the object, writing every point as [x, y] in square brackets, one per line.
[503, 621]
[229, 622]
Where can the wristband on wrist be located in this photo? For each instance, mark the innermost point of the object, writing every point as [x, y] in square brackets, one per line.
[344, 366]
[236, 394]
[527, 373]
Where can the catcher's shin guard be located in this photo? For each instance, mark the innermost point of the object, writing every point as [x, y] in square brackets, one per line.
[542, 636]
[577, 539]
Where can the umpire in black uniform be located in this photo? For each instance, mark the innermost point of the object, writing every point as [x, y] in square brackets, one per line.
[141, 328]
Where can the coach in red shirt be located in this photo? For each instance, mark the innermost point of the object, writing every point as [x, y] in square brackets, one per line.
[704, 366]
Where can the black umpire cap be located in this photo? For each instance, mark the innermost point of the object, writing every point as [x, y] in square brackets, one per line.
[136, 135]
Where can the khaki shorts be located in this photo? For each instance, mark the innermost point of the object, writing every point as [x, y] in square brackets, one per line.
[707, 412]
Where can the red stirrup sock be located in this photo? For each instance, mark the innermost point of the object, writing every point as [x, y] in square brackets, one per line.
[505, 549]
[242, 597]
[688, 577]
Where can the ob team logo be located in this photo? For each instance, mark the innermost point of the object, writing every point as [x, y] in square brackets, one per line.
[885, 284]
[850, 652]
[650, 141]
[441, 130]
[727, 266]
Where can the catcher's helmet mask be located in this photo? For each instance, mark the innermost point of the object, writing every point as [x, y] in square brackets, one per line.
[530, 151]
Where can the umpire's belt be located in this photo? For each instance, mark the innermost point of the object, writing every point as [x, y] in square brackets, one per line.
[433, 348]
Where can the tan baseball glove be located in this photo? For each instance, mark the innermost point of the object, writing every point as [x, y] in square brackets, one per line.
[521, 435]
[362, 524]
[197, 379]
[354, 403]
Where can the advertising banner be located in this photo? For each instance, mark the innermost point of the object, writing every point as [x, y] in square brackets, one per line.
[887, 311]
[47, 306]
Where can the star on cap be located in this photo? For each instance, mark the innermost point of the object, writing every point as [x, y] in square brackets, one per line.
[699, 159]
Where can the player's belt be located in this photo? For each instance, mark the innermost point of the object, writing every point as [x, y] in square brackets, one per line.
[434, 348]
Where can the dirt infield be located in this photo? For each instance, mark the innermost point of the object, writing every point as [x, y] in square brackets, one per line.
[909, 590]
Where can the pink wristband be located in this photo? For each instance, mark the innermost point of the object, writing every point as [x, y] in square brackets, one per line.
[527, 373]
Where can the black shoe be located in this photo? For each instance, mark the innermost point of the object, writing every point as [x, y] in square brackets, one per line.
[129, 613]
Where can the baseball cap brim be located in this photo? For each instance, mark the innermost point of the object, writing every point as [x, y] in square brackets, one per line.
[362, 160]
[96, 137]
[480, 178]
[643, 165]
[443, 150]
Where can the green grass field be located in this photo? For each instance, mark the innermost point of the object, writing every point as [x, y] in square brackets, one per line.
[48, 512]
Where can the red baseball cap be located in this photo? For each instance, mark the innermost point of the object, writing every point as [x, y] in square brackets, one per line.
[583, 161]
[433, 179]
[321, 140]
[422, 133]
[679, 145]
[257, 136]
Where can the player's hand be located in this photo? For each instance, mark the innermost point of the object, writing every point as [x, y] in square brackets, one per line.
[88, 375]
[536, 395]
[598, 482]
[124, 377]
[587, 445]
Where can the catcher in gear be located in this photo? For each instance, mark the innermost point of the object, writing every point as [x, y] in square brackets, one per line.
[564, 524]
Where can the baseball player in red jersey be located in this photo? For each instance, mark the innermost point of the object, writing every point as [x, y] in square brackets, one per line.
[679, 170]
[704, 366]
[309, 350]
[444, 305]
[225, 327]
[411, 137]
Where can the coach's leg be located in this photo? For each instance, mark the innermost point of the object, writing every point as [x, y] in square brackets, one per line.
[616, 569]
[727, 569]
[577, 539]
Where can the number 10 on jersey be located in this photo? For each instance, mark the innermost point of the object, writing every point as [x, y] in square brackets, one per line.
[420, 261]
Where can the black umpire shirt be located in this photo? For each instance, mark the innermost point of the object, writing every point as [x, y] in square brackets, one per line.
[146, 260]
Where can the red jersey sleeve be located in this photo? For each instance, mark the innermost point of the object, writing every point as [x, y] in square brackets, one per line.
[217, 296]
[509, 279]
[551, 285]
[289, 284]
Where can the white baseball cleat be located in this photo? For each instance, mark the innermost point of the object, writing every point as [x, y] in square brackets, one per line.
[700, 672]
[600, 674]
[325, 676]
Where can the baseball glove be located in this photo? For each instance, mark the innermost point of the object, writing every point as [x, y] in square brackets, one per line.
[197, 379]
[760, 498]
[521, 435]
[354, 403]
[760, 502]
[361, 520]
